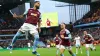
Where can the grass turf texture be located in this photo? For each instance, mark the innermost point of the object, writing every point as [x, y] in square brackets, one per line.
[46, 52]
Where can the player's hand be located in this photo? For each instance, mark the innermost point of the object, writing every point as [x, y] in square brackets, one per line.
[14, 15]
[89, 40]
[21, 16]
[62, 36]
[86, 38]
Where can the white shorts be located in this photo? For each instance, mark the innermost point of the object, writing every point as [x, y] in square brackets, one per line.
[48, 46]
[77, 45]
[57, 46]
[48, 26]
[65, 47]
[89, 45]
[28, 27]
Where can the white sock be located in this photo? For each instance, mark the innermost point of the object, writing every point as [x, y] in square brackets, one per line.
[57, 51]
[28, 49]
[81, 50]
[93, 47]
[76, 50]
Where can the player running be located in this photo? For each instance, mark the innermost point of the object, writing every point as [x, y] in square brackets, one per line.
[78, 44]
[65, 43]
[57, 41]
[29, 45]
[30, 25]
[89, 42]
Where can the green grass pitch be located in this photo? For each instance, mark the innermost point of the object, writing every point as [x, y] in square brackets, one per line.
[46, 52]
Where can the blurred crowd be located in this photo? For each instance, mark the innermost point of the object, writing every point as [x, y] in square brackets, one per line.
[21, 43]
[95, 32]
[6, 23]
[90, 18]
[5, 41]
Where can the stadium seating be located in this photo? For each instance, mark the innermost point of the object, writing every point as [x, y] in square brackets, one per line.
[95, 32]
[91, 17]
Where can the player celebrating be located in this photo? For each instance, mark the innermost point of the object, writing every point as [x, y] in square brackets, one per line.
[88, 41]
[57, 41]
[65, 43]
[30, 24]
[78, 44]
[48, 23]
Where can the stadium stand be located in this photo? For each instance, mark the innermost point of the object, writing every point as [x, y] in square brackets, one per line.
[95, 32]
[91, 17]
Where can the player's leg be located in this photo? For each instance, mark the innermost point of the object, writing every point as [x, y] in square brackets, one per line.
[14, 40]
[57, 46]
[87, 49]
[76, 48]
[34, 32]
[22, 29]
[92, 47]
[35, 44]
[57, 52]
[29, 46]
[70, 51]
[62, 49]
[80, 48]
[15, 37]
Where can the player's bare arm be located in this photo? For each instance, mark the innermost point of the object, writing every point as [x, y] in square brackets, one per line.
[17, 16]
[39, 25]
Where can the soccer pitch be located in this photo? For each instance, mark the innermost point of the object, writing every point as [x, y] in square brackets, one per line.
[46, 52]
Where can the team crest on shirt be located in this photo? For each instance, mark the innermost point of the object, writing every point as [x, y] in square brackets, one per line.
[38, 12]
[62, 32]
[30, 10]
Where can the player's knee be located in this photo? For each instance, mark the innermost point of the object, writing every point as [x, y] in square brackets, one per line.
[76, 46]
[87, 48]
[61, 51]
[36, 36]
[18, 34]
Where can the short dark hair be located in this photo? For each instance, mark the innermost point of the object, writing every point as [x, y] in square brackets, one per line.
[36, 2]
[63, 23]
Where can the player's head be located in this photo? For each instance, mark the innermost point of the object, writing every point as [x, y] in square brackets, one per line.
[85, 32]
[37, 4]
[77, 35]
[63, 26]
[56, 35]
[47, 19]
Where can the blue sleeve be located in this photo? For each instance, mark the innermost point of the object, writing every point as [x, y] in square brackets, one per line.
[54, 38]
[25, 13]
[69, 34]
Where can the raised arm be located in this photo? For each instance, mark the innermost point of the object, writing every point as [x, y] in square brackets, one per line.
[20, 16]
[39, 23]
